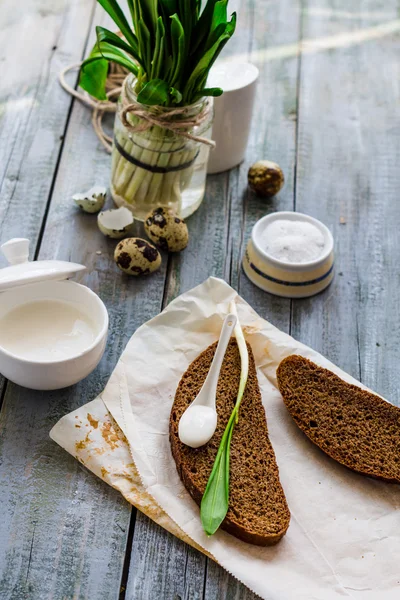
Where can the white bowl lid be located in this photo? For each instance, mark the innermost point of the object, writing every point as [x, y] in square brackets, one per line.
[21, 272]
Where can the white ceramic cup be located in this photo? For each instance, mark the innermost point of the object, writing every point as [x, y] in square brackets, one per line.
[232, 113]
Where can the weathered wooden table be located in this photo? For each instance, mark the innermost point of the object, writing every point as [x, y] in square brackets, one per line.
[328, 112]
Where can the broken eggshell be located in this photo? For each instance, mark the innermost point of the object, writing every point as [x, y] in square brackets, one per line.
[116, 223]
[91, 201]
[135, 256]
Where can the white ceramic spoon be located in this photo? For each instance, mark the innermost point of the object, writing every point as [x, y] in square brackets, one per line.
[199, 421]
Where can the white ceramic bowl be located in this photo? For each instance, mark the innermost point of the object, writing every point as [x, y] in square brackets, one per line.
[52, 375]
[290, 280]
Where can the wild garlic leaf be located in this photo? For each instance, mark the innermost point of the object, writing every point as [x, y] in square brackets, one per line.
[154, 93]
[113, 54]
[104, 35]
[175, 94]
[149, 13]
[93, 75]
[169, 6]
[178, 48]
[218, 23]
[209, 57]
[171, 40]
[203, 26]
[131, 6]
[144, 40]
[117, 15]
[158, 56]
[199, 74]
[215, 92]
[215, 501]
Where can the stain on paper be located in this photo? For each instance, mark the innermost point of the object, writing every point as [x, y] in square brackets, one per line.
[83, 443]
[92, 421]
[110, 435]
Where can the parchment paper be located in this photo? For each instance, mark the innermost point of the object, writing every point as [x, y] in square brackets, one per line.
[343, 540]
[92, 435]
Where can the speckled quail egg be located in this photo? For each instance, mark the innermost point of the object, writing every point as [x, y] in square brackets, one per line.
[116, 223]
[166, 229]
[135, 256]
[265, 178]
[91, 201]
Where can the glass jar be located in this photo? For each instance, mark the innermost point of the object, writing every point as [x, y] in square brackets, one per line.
[156, 166]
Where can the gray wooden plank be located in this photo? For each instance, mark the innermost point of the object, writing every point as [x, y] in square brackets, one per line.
[33, 107]
[51, 509]
[348, 176]
[217, 232]
[206, 253]
[65, 532]
[273, 137]
[172, 571]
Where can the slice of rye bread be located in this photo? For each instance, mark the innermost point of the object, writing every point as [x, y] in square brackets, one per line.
[358, 429]
[258, 512]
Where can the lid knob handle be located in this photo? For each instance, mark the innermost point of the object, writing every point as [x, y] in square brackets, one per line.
[16, 251]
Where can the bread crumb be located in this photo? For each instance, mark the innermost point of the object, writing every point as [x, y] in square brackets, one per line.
[342, 221]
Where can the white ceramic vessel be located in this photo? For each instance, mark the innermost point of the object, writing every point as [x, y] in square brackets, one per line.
[281, 278]
[26, 282]
[232, 113]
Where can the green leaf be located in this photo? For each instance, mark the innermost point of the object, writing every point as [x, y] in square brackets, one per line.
[185, 17]
[171, 40]
[203, 26]
[115, 55]
[104, 35]
[169, 7]
[178, 48]
[154, 93]
[93, 75]
[199, 74]
[149, 13]
[212, 92]
[215, 501]
[176, 95]
[158, 56]
[131, 6]
[145, 46]
[218, 23]
[114, 10]
[215, 92]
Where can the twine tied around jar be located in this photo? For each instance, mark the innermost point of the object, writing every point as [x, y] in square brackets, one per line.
[115, 79]
[176, 120]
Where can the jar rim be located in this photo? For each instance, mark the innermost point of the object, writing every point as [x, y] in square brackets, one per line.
[129, 84]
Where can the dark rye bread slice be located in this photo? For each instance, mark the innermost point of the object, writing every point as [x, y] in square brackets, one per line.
[258, 512]
[358, 429]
